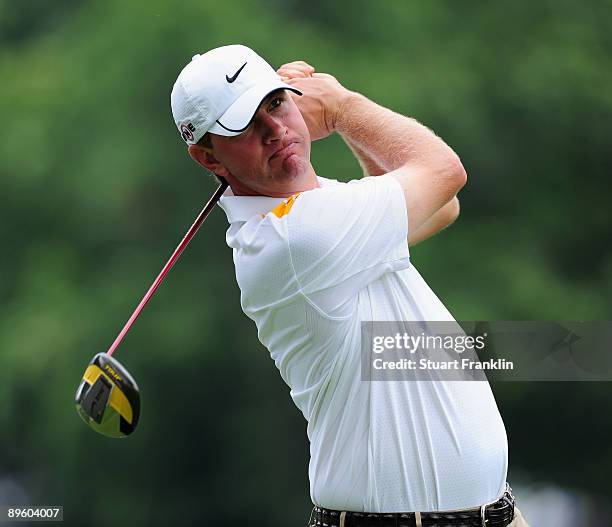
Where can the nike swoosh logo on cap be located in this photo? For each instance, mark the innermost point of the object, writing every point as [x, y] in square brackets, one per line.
[235, 75]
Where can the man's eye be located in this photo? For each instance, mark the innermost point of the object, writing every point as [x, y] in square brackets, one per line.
[275, 103]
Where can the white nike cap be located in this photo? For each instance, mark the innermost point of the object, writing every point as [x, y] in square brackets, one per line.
[220, 92]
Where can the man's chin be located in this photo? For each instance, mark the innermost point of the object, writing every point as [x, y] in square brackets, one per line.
[293, 176]
[291, 167]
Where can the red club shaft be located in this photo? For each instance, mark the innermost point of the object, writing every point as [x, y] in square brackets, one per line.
[175, 256]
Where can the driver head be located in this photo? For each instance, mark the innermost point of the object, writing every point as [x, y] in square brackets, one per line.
[107, 398]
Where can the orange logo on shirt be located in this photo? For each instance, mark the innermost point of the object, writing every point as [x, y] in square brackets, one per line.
[285, 207]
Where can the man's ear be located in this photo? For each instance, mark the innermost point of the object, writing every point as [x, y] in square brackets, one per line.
[204, 156]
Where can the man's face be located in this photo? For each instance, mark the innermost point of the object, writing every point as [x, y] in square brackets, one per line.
[272, 156]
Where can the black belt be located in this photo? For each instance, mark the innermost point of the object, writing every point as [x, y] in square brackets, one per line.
[497, 514]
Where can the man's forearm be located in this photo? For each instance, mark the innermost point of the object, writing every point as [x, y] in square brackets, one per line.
[440, 219]
[368, 165]
[384, 140]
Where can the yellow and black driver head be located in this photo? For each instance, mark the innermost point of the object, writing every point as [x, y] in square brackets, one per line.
[107, 398]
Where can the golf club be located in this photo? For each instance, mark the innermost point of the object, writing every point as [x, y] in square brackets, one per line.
[108, 398]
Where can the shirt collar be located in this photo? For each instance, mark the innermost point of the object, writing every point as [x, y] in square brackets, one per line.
[241, 208]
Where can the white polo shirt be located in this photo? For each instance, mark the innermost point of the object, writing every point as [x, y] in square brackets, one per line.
[310, 269]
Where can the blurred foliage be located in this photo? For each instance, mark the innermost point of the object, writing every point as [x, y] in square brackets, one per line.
[97, 189]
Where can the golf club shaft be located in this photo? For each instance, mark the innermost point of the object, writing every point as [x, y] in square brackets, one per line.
[175, 256]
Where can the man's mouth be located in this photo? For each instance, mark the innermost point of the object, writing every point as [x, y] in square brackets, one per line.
[285, 150]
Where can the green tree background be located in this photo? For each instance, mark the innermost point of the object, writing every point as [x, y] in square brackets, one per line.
[97, 188]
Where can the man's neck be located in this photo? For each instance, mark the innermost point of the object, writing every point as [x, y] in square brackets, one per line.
[309, 183]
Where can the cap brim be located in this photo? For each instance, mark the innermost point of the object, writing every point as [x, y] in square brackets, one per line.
[239, 115]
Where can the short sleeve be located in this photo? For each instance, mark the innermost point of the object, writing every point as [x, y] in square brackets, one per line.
[343, 237]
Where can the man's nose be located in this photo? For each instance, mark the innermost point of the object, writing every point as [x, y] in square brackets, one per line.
[275, 129]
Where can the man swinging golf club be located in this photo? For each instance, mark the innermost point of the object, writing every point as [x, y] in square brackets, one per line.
[315, 258]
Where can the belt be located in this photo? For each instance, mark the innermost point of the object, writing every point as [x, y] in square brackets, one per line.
[496, 514]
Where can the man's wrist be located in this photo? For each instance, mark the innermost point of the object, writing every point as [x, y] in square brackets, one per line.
[344, 108]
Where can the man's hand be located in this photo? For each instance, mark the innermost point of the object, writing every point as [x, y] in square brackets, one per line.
[322, 100]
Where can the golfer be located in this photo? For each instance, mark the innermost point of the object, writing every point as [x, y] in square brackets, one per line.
[314, 258]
